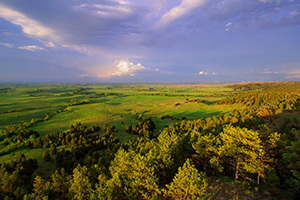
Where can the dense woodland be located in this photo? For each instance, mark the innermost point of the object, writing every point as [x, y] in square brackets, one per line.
[253, 153]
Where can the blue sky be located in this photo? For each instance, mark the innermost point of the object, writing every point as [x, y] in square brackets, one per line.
[149, 40]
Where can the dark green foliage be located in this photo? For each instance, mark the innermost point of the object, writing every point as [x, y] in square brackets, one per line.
[53, 150]
[188, 184]
[75, 102]
[144, 128]
[16, 177]
[46, 156]
[267, 98]
[292, 157]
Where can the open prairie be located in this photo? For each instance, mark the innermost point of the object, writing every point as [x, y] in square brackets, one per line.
[117, 104]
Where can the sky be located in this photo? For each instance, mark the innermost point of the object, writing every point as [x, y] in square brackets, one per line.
[149, 40]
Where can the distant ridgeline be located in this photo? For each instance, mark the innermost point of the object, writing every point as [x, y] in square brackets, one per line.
[251, 153]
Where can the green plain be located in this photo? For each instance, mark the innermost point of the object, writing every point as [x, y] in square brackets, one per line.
[117, 104]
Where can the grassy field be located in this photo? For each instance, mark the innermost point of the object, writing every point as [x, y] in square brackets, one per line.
[117, 104]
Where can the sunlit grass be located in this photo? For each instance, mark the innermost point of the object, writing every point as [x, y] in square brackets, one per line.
[120, 108]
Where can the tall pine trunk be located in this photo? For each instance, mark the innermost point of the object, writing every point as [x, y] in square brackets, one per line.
[237, 171]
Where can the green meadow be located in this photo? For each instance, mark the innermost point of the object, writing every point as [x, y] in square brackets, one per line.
[115, 104]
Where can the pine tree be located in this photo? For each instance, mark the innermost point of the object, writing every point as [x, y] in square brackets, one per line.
[188, 183]
[61, 183]
[244, 148]
[133, 175]
[206, 148]
[80, 184]
[292, 157]
[42, 188]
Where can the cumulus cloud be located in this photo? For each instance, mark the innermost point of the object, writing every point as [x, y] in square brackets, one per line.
[31, 48]
[203, 73]
[119, 68]
[127, 67]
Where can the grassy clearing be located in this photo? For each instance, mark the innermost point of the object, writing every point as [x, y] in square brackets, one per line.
[116, 104]
[45, 168]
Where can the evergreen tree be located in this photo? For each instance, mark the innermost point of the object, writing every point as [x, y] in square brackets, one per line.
[292, 157]
[61, 183]
[188, 183]
[42, 189]
[206, 148]
[80, 184]
[133, 175]
[244, 148]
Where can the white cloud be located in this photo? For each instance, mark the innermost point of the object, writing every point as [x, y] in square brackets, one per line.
[127, 67]
[120, 68]
[228, 26]
[50, 44]
[29, 26]
[108, 11]
[31, 48]
[294, 13]
[84, 75]
[293, 73]
[270, 1]
[207, 73]
[271, 72]
[7, 45]
[267, 72]
[203, 73]
[185, 7]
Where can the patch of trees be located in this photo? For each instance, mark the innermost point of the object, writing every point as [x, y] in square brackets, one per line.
[194, 100]
[181, 95]
[12, 111]
[266, 86]
[16, 177]
[144, 128]
[4, 90]
[169, 117]
[82, 91]
[270, 100]
[17, 137]
[75, 102]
